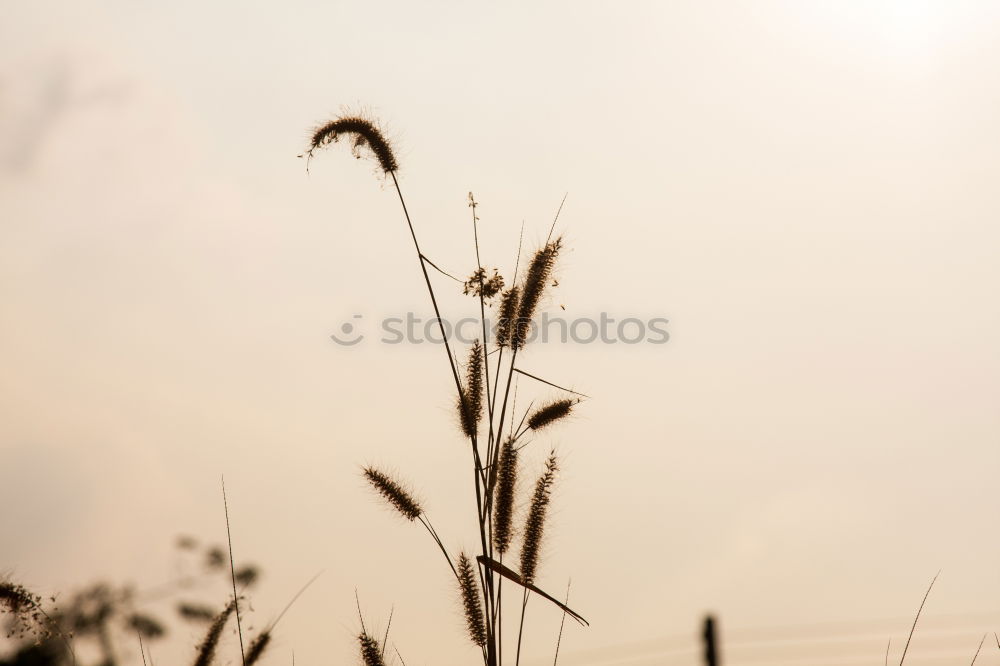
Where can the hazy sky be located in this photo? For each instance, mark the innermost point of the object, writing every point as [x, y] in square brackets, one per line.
[806, 190]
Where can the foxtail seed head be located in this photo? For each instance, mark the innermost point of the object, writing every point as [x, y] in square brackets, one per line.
[257, 647]
[534, 526]
[534, 285]
[470, 401]
[206, 651]
[27, 616]
[363, 132]
[507, 316]
[371, 651]
[550, 413]
[393, 492]
[469, 590]
[503, 503]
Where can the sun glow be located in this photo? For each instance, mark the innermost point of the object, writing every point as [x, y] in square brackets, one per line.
[906, 32]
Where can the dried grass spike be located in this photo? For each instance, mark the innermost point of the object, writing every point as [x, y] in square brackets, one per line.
[470, 404]
[534, 285]
[503, 512]
[257, 647]
[371, 651]
[534, 526]
[469, 589]
[550, 413]
[507, 316]
[364, 134]
[394, 493]
[206, 651]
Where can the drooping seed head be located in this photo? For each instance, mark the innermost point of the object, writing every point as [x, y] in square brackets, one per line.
[550, 413]
[371, 650]
[469, 589]
[534, 526]
[393, 492]
[206, 651]
[507, 316]
[470, 401]
[503, 502]
[534, 285]
[364, 133]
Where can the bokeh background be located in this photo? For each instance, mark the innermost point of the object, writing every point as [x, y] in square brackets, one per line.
[806, 190]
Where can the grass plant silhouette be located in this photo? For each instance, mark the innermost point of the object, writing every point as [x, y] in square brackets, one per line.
[494, 442]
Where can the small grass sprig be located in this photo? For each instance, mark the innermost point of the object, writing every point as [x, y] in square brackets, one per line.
[916, 618]
[260, 642]
[29, 617]
[482, 285]
[24, 606]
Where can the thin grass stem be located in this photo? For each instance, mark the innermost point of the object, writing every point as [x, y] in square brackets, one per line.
[562, 625]
[976, 656]
[434, 535]
[520, 630]
[427, 280]
[385, 639]
[914, 627]
[232, 569]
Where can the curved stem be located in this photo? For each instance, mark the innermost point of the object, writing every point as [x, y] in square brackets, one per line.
[430, 288]
[477, 472]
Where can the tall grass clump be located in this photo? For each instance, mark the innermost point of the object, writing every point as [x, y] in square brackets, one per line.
[486, 405]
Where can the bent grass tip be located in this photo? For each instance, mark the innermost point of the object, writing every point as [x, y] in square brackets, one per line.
[363, 132]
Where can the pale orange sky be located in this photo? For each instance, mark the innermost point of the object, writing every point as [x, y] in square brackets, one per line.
[806, 190]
